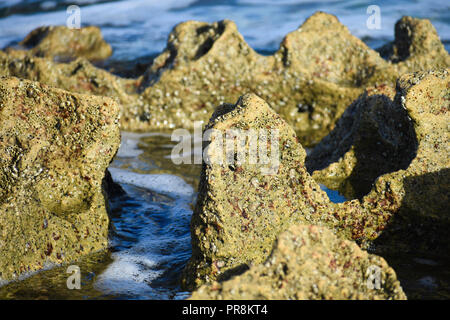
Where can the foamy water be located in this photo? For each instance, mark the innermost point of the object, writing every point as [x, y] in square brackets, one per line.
[138, 28]
[150, 243]
[151, 239]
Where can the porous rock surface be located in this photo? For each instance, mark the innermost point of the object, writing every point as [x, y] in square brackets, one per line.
[61, 43]
[243, 206]
[310, 262]
[318, 71]
[404, 140]
[396, 149]
[55, 147]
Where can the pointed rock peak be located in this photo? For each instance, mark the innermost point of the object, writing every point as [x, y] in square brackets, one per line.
[192, 40]
[62, 43]
[415, 36]
[321, 19]
[249, 107]
[416, 47]
[326, 49]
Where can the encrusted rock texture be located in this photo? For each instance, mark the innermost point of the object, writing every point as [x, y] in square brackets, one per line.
[240, 211]
[60, 43]
[399, 144]
[318, 71]
[243, 206]
[55, 147]
[380, 121]
[310, 262]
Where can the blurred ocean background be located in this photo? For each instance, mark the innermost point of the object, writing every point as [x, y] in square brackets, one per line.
[139, 28]
[150, 243]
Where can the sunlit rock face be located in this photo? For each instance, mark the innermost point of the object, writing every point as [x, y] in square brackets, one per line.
[308, 263]
[55, 147]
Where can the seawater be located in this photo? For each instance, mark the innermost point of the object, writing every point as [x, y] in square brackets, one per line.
[150, 238]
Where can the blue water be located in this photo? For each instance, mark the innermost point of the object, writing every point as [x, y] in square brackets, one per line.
[151, 240]
[139, 28]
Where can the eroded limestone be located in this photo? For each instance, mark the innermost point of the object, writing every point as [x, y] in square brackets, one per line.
[310, 262]
[55, 147]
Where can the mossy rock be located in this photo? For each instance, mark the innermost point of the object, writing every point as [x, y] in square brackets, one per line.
[310, 262]
[55, 147]
[243, 206]
[318, 71]
[396, 144]
[61, 43]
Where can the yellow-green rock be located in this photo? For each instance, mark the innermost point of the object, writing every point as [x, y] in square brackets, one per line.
[318, 71]
[310, 262]
[61, 43]
[401, 147]
[54, 149]
[244, 205]
[416, 47]
[240, 211]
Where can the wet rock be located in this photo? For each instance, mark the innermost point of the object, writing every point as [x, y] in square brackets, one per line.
[61, 43]
[310, 262]
[373, 136]
[400, 147]
[243, 205]
[55, 147]
[78, 76]
[416, 47]
[319, 70]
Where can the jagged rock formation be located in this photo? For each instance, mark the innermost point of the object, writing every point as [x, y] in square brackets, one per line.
[60, 43]
[243, 205]
[407, 139]
[310, 262]
[240, 211]
[416, 47]
[54, 149]
[317, 72]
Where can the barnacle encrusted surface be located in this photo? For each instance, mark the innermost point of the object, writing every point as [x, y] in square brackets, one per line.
[319, 69]
[240, 211]
[61, 43]
[54, 149]
[408, 139]
[310, 262]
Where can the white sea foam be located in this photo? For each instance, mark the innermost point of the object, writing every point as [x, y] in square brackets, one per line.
[159, 236]
[161, 183]
[137, 27]
[129, 274]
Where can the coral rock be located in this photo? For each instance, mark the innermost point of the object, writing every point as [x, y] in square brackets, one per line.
[310, 262]
[61, 43]
[54, 149]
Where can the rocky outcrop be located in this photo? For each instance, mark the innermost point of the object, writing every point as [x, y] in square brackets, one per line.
[373, 136]
[391, 149]
[310, 262]
[61, 43]
[318, 71]
[243, 204]
[416, 47]
[54, 149]
[78, 76]
[400, 143]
